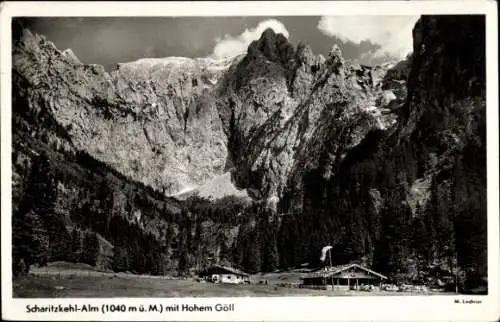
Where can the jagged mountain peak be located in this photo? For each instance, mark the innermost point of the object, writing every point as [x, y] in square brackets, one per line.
[275, 47]
[269, 37]
[71, 55]
[335, 52]
[305, 54]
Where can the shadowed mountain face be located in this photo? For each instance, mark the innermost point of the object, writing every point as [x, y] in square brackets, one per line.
[328, 152]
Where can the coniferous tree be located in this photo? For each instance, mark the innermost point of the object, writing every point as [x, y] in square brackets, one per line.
[253, 258]
[392, 250]
[285, 243]
[30, 243]
[90, 248]
[182, 249]
[30, 234]
[441, 209]
[421, 238]
[120, 259]
[270, 258]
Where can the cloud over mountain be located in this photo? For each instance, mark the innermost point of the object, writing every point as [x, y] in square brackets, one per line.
[392, 33]
[234, 45]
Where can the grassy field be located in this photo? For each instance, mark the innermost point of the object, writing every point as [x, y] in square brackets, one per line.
[52, 286]
[66, 280]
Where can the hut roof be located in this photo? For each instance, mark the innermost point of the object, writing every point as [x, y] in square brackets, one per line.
[340, 268]
[219, 269]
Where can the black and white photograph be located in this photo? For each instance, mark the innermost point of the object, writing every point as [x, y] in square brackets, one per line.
[308, 155]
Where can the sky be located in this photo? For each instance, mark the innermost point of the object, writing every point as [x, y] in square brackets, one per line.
[110, 40]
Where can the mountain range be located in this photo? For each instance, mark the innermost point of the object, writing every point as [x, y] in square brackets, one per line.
[258, 160]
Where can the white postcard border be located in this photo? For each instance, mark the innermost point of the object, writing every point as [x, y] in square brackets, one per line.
[385, 308]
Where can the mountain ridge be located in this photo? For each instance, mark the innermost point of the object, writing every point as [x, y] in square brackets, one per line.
[134, 90]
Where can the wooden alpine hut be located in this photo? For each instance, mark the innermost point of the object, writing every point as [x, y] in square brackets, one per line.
[224, 274]
[350, 276]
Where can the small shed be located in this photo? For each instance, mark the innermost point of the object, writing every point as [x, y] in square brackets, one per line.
[224, 274]
[350, 276]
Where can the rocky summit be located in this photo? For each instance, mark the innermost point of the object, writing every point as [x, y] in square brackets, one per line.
[283, 109]
[257, 160]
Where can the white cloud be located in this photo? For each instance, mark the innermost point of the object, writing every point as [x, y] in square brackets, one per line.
[392, 33]
[149, 51]
[231, 46]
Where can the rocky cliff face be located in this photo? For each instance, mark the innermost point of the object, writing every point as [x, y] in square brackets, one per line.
[445, 119]
[285, 111]
[154, 120]
[176, 123]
